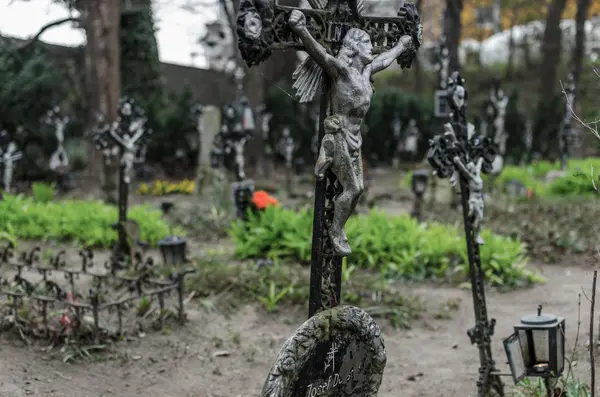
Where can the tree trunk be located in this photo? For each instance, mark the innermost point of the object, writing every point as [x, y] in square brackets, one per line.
[452, 28]
[544, 140]
[551, 46]
[102, 18]
[511, 44]
[583, 7]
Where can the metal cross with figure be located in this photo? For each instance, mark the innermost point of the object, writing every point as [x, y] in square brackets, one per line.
[9, 154]
[565, 125]
[286, 148]
[345, 49]
[127, 134]
[500, 101]
[460, 154]
[59, 160]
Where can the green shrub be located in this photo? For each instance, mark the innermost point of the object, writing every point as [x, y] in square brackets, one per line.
[398, 246]
[86, 222]
[43, 193]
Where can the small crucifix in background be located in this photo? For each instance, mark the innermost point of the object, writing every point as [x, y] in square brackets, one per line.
[565, 132]
[500, 101]
[59, 160]
[126, 135]
[286, 147]
[397, 139]
[265, 118]
[9, 154]
[411, 140]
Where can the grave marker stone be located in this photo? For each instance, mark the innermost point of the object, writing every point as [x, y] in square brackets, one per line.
[209, 158]
[338, 352]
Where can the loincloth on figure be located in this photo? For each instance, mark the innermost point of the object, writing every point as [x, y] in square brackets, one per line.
[476, 202]
[337, 125]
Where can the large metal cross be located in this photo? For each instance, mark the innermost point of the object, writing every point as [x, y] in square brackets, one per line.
[127, 133]
[263, 26]
[462, 155]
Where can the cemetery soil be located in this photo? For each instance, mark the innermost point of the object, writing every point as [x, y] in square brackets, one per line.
[229, 356]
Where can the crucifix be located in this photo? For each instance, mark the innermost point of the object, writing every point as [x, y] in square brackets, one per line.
[397, 134]
[565, 125]
[8, 156]
[461, 155]
[265, 118]
[126, 135]
[345, 49]
[499, 101]
[286, 147]
[59, 160]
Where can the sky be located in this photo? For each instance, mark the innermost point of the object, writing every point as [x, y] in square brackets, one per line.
[178, 29]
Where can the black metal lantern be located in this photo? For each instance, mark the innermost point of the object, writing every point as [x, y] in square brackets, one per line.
[537, 348]
[441, 108]
[166, 206]
[419, 182]
[173, 249]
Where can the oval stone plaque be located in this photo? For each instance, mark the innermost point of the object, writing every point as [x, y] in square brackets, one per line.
[338, 352]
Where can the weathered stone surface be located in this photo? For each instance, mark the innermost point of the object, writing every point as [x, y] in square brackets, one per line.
[339, 352]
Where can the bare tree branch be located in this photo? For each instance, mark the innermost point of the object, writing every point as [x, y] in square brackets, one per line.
[44, 28]
[591, 125]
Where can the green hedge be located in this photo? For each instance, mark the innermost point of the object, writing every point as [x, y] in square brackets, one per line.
[398, 246]
[86, 222]
[576, 181]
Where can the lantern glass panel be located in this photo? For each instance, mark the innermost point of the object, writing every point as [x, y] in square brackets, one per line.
[512, 346]
[524, 342]
[541, 345]
[560, 346]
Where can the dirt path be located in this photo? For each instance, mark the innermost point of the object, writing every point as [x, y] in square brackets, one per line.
[190, 361]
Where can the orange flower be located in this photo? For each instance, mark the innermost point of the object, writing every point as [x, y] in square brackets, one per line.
[529, 194]
[262, 199]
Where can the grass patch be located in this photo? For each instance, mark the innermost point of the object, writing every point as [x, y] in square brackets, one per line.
[397, 247]
[223, 284]
[87, 222]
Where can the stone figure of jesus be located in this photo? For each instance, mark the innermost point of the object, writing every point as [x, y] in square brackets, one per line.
[350, 73]
[472, 172]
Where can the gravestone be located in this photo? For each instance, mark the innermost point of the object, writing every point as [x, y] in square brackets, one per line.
[339, 352]
[211, 124]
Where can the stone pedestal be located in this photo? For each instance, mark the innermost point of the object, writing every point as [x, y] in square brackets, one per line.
[211, 125]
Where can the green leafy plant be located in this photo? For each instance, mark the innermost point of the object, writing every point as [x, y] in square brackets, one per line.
[73, 352]
[397, 247]
[87, 222]
[43, 193]
[272, 299]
